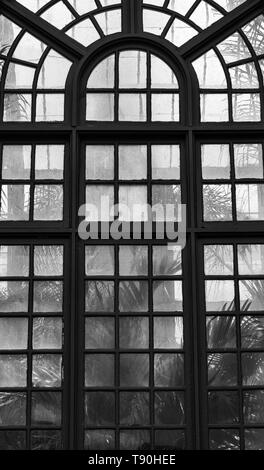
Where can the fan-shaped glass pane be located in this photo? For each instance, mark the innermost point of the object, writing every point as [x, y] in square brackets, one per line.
[33, 5]
[8, 33]
[19, 76]
[29, 48]
[210, 71]
[181, 6]
[244, 76]
[162, 76]
[205, 15]
[103, 76]
[180, 32]
[154, 21]
[58, 15]
[234, 48]
[54, 71]
[109, 21]
[84, 32]
[83, 6]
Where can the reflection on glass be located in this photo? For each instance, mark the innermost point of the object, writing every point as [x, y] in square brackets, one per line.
[248, 160]
[167, 296]
[134, 333]
[132, 107]
[168, 333]
[132, 69]
[221, 332]
[222, 370]
[134, 370]
[46, 409]
[218, 260]
[132, 162]
[103, 75]
[47, 370]
[100, 107]
[13, 371]
[219, 295]
[162, 76]
[99, 260]
[223, 408]
[99, 408]
[214, 107]
[13, 333]
[99, 333]
[217, 201]
[165, 107]
[134, 408]
[14, 260]
[165, 161]
[47, 333]
[250, 201]
[215, 161]
[49, 162]
[99, 370]
[133, 260]
[168, 370]
[99, 296]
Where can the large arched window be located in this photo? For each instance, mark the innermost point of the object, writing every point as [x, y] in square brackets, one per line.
[126, 343]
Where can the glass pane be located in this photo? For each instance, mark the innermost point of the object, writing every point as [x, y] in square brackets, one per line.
[165, 107]
[14, 260]
[205, 15]
[46, 409]
[15, 202]
[12, 440]
[229, 5]
[234, 48]
[100, 162]
[244, 76]
[83, 6]
[165, 201]
[16, 161]
[254, 407]
[100, 107]
[154, 21]
[109, 21]
[134, 370]
[169, 408]
[224, 439]
[132, 69]
[223, 408]
[168, 332]
[33, 5]
[103, 75]
[99, 260]
[253, 369]
[132, 162]
[216, 161]
[48, 202]
[99, 370]
[180, 6]
[170, 440]
[167, 296]
[251, 295]
[214, 107]
[99, 296]
[58, 15]
[248, 160]
[162, 76]
[48, 260]
[47, 333]
[254, 439]
[221, 332]
[54, 71]
[218, 260]
[220, 296]
[13, 333]
[49, 162]
[50, 107]
[222, 370]
[132, 107]
[13, 296]
[17, 108]
[252, 332]
[167, 260]
[13, 409]
[180, 33]
[29, 49]
[48, 296]
[254, 32]
[250, 201]
[169, 370]
[9, 32]
[99, 333]
[246, 107]
[84, 32]
[46, 440]
[99, 440]
[133, 296]
[133, 260]
[133, 201]
[217, 200]
[13, 371]
[99, 409]
[165, 161]
[19, 76]
[209, 70]
[47, 370]
[134, 408]
[134, 440]
[134, 333]
[250, 259]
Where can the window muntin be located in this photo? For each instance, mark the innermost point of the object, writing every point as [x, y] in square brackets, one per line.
[132, 85]
[32, 182]
[32, 345]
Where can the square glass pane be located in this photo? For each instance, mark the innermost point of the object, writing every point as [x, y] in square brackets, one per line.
[133, 260]
[99, 439]
[217, 202]
[134, 333]
[17, 107]
[248, 160]
[100, 162]
[134, 439]
[99, 296]
[16, 162]
[250, 259]
[167, 296]
[253, 369]
[223, 408]
[99, 370]
[13, 370]
[168, 370]
[132, 69]
[219, 295]
[99, 333]
[133, 296]
[132, 107]
[167, 260]
[48, 202]
[251, 294]
[218, 260]
[99, 202]
[221, 332]
[134, 408]
[134, 370]
[165, 202]
[222, 370]
[47, 333]
[48, 260]
[48, 296]
[46, 409]
[15, 202]
[215, 161]
[50, 107]
[165, 161]
[13, 296]
[49, 162]
[100, 107]
[252, 332]
[13, 407]
[246, 107]
[250, 201]
[133, 203]
[165, 107]
[99, 409]
[46, 440]
[168, 332]
[47, 370]
[14, 260]
[99, 260]
[214, 107]
[132, 162]
[13, 333]
[169, 408]
[253, 407]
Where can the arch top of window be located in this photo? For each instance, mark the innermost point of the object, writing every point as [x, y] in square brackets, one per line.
[135, 85]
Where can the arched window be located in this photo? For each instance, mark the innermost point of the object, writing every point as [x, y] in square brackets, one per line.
[111, 342]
